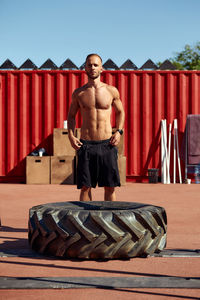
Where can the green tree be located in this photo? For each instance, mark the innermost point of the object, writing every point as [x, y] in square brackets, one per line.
[188, 59]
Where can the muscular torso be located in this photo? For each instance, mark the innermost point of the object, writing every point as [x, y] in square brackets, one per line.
[96, 107]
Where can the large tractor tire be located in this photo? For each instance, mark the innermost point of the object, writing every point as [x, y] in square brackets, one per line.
[97, 230]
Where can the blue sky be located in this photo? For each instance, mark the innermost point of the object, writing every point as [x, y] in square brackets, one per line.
[116, 29]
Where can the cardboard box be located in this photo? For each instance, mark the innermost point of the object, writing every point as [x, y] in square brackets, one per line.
[38, 170]
[61, 143]
[63, 169]
[122, 169]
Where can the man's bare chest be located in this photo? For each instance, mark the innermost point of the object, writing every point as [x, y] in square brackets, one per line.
[99, 99]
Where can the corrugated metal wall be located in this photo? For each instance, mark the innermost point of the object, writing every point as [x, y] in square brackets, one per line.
[32, 103]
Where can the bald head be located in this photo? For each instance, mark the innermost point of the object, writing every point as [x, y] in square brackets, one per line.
[93, 54]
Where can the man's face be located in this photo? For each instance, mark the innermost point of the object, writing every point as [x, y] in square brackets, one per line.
[93, 67]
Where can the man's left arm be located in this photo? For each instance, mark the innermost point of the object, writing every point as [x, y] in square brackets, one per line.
[120, 116]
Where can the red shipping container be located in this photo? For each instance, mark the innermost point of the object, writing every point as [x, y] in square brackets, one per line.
[32, 103]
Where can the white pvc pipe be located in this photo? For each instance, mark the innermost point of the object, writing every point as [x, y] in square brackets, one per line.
[168, 154]
[178, 155]
[175, 130]
[163, 151]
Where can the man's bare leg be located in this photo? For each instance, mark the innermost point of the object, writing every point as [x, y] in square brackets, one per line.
[85, 194]
[109, 193]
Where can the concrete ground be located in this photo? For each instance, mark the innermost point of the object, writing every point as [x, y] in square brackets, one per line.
[179, 263]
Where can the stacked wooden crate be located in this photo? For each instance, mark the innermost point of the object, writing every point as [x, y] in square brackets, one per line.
[63, 161]
[38, 170]
[57, 169]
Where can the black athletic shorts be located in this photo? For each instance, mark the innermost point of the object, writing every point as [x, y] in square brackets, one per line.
[97, 163]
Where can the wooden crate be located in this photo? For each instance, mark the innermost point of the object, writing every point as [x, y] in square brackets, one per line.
[61, 143]
[63, 169]
[122, 169]
[37, 170]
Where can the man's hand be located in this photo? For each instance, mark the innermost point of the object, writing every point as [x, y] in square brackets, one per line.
[75, 142]
[115, 138]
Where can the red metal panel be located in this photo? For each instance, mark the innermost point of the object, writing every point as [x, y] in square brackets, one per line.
[2, 123]
[32, 103]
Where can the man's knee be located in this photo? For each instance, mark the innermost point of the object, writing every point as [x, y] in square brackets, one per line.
[85, 189]
[109, 189]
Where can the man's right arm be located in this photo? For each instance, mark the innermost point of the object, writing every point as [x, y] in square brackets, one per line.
[74, 107]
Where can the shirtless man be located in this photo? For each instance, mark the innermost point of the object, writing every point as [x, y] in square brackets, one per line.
[96, 149]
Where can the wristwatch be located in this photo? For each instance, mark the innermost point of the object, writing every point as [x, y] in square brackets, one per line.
[120, 131]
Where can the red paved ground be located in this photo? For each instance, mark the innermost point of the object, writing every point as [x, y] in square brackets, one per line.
[182, 206]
